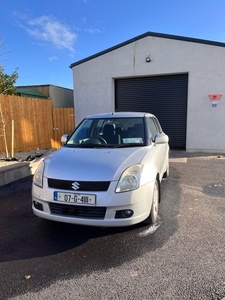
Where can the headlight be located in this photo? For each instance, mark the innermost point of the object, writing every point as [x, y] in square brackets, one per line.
[130, 179]
[38, 175]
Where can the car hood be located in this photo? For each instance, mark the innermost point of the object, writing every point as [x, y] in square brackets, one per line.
[91, 164]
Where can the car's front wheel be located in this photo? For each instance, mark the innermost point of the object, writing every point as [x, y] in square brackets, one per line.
[152, 218]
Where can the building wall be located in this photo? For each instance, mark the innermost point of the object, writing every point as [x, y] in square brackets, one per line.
[94, 83]
[43, 89]
[62, 97]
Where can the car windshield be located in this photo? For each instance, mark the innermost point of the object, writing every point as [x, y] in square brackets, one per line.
[115, 132]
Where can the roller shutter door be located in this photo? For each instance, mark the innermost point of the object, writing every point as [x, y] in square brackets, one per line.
[163, 96]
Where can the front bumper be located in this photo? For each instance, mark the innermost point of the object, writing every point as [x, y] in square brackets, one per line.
[139, 201]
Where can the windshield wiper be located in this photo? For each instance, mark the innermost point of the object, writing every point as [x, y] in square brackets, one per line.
[92, 145]
[129, 145]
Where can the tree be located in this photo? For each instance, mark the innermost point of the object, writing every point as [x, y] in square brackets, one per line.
[7, 82]
[3, 131]
[6, 87]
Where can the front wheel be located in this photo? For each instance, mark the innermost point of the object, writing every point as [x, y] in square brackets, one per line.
[166, 174]
[152, 218]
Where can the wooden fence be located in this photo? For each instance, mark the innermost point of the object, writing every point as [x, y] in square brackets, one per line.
[37, 124]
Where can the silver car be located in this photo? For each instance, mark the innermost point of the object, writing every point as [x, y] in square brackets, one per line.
[107, 173]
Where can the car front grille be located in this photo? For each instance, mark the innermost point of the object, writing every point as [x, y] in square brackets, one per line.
[77, 211]
[96, 186]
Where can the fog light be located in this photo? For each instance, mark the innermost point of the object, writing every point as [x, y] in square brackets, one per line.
[38, 205]
[122, 214]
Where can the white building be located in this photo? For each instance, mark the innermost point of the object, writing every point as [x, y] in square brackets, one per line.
[169, 76]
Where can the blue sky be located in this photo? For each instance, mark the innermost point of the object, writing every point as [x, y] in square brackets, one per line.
[43, 38]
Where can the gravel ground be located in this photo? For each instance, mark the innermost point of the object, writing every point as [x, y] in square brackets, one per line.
[22, 157]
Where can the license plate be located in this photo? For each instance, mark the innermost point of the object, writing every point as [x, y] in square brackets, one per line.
[74, 198]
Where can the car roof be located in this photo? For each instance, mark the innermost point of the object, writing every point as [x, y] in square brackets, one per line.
[119, 115]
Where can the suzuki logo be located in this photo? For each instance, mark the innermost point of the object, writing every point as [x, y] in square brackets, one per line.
[75, 185]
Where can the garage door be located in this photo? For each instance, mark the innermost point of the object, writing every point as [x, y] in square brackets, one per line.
[163, 96]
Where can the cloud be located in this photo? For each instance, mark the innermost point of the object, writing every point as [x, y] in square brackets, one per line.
[93, 30]
[48, 29]
[53, 58]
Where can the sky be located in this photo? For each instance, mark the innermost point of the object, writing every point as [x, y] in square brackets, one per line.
[43, 38]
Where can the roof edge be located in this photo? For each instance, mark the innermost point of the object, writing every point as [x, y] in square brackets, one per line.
[153, 34]
[42, 85]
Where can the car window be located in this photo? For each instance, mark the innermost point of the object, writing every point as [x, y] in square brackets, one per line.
[109, 132]
[159, 129]
[153, 128]
[82, 132]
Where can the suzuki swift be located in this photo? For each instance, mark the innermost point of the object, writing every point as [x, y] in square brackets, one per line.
[107, 173]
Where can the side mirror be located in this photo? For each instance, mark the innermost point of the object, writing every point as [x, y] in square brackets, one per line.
[64, 138]
[161, 138]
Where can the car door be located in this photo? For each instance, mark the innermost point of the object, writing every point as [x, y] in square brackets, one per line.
[161, 150]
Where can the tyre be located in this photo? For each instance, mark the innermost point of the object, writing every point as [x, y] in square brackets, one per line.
[152, 218]
[166, 174]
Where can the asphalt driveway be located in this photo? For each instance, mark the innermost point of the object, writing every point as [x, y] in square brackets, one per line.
[181, 257]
